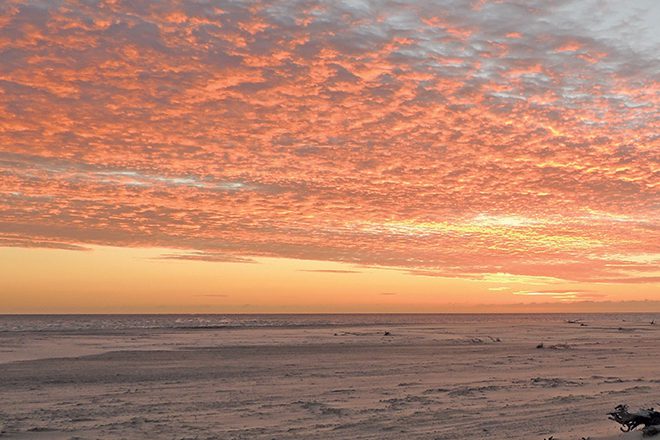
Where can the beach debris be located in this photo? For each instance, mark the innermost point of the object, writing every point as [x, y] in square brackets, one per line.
[631, 420]
[653, 322]
[553, 382]
[563, 346]
[387, 334]
[483, 340]
[625, 329]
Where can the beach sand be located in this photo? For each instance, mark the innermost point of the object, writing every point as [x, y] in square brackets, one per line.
[478, 380]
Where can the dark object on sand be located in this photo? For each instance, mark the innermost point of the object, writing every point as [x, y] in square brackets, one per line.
[629, 421]
[386, 334]
[563, 346]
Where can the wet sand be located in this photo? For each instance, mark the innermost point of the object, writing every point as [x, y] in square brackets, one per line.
[453, 381]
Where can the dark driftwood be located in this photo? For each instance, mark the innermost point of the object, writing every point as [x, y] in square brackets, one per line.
[631, 420]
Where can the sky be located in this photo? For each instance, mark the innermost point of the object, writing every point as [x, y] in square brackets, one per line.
[329, 156]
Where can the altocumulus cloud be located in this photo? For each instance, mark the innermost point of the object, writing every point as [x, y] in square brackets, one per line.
[450, 138]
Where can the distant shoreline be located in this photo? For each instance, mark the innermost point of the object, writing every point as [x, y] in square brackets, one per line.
[650, 312]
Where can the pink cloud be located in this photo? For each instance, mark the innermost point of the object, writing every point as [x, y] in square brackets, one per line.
[386, 135]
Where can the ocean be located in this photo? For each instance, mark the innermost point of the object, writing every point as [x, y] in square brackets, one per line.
[72, 323]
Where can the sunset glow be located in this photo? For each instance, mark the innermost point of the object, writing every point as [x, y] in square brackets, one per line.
[340, 156]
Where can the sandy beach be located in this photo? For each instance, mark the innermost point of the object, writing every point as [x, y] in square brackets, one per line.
[473, 378]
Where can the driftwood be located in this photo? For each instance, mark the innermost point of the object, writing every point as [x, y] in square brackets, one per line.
[631, 420]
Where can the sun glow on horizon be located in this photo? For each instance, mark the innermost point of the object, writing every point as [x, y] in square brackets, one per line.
[127, 280]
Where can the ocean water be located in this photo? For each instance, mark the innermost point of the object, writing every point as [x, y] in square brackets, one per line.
[64, 323]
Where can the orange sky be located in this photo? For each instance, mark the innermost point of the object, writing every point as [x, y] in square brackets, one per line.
[329, 156]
